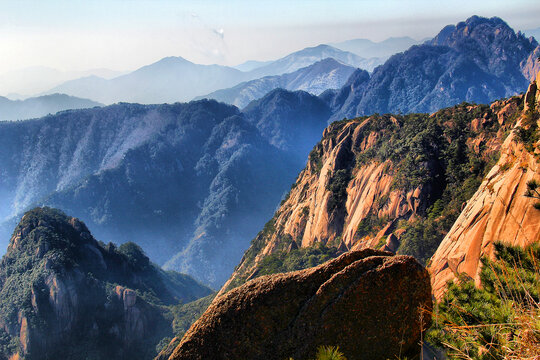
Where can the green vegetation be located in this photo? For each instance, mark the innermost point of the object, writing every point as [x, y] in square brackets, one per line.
[532, 192]
[500, 320]
[528, 134]
[434, 153]
[315, 157]
[186, 314]
[338, 189]
[370, 225]
[328, 353]
[297, 259]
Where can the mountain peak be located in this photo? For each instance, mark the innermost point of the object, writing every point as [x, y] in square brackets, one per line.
[484, 30]
[40, 229]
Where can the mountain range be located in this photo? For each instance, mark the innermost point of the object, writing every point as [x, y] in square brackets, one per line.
[315, 79]
[177, 179]
[41, 106]
[22, 83]
[184, 186]
[192, 183]
[176, 79]
[478, 60]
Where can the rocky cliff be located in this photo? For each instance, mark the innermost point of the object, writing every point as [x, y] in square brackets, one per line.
[368, 303]
[64, 295]
[391, 182]
[499, 211]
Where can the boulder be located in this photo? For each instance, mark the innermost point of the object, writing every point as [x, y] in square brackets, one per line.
[369, 303]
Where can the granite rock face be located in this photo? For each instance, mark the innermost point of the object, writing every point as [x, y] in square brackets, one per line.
[369, 303]
[348, 198]
[498, 211]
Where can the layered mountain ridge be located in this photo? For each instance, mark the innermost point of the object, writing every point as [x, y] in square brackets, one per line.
[315, 79]
[174, 79]
[169, 177]
[41, 106]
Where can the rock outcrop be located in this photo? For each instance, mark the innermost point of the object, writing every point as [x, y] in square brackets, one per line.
[369, 303]
[498, 211]
[65, 295]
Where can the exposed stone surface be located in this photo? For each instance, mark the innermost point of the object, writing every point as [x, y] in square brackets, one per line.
[366, 302]
[497, 212]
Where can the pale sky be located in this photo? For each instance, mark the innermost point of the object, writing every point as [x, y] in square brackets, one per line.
[126, 34]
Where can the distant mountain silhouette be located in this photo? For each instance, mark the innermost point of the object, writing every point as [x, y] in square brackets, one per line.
[169, 80]
[383, 49]
[251, 65]
[311, 55]
[315, 79]
[174, 79]
[33, 81]
[40, 106]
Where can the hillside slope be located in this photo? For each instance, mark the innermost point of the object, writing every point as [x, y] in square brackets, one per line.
[201, 175]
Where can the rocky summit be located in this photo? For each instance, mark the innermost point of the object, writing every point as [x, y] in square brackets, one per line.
[64, 295]
[369, 303]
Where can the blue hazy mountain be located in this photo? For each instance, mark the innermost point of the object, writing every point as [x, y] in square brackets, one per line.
[251, 65]
[175, 79]
[315, 79]
[196, 179]
[383, 49]
[40, 106]
[168, 80]
[478, 60]
[36, 79]
[311, 55]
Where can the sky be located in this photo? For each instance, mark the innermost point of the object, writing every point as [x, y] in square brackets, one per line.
[123, 35]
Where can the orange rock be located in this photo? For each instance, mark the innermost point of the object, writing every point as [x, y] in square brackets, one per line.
[498, 211]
